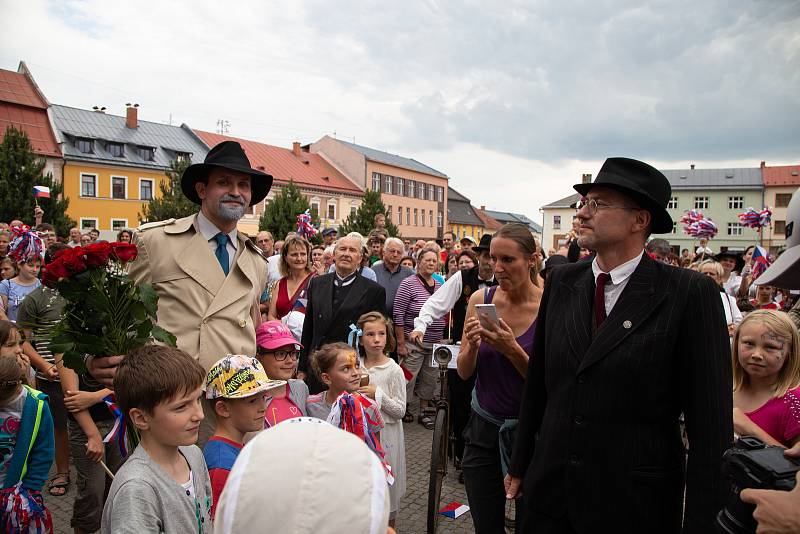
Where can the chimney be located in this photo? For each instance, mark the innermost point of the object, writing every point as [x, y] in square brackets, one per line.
[296, 148]
[586, 178]
[132, 116]
[691, 166]
[483, 208]
[763, 164]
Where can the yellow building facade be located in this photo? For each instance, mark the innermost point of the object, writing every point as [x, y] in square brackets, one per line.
[464, 230]
[108, 198]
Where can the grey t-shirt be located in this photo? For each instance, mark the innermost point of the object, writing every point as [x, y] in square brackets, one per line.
[144, 498]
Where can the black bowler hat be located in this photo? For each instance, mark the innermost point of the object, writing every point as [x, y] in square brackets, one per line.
[226, 155]
[645, 185]
[486, 240]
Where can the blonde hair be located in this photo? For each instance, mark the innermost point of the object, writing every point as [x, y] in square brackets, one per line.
[378, 317]
[779, 324]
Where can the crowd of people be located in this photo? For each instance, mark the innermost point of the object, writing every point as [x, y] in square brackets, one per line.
[615, 370]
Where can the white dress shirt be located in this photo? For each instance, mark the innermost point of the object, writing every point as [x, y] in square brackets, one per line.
[209, 230]
[619, 279]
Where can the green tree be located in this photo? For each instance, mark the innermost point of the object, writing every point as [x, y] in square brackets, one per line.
[280, 215]
[363, 220]
[172, 204]
[20, 170]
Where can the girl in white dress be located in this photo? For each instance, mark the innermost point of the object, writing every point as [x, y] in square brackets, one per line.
[387, 386]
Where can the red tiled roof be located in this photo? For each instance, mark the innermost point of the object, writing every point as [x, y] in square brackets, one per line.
[781, 175]
[16, 88]
[307, 170]
[22, 106]
[490, 223]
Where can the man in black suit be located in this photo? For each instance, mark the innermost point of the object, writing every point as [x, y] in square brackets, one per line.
[335, 301]
[623, 346]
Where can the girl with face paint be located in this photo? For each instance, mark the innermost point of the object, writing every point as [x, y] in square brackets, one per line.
[766, 378]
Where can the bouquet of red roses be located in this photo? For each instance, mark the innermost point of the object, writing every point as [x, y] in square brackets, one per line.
[106, 313]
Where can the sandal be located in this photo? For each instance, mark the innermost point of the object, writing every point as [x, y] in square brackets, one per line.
[426, 420]
[58, 489]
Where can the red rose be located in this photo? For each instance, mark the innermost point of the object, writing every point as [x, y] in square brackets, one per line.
[53, 272]
[73, 260]
[97, 254]
[124, 252]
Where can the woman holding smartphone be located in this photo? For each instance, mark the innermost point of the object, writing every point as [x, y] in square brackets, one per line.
[497, 351]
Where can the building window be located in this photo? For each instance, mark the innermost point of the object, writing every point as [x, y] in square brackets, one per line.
[431, 192]
[439, 220]
[422, 216]
[119, 187]
[332, 210]
[674, 228]
[389, 212]
[399, 186]
[780, 227]
[440, 194]
[353, 211]
[376, 181]
[410, 189]
[119, 224]
[147, 153]
[145, 189]
[84, 145]
[408, 216]
[314, 205]
[117, 150]
[183, 157]
[735, 203]
[388, 190]
[430, 217]
[421, 191]
[88, 185]
[87, 223]
[416, 217]
[782, 199]
[673, 203]
[700, 203]
[734, 229]
[556, 222]
[399, 215]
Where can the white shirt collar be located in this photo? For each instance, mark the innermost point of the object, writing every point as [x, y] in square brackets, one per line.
[620, 273]
[208, 229]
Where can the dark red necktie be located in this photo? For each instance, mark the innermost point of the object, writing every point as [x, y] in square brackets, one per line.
[600, 299]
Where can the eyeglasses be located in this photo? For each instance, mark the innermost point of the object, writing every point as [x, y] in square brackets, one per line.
[281, 355]
[593, 206]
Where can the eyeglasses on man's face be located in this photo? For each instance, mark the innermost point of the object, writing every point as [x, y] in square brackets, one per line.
[593, 206]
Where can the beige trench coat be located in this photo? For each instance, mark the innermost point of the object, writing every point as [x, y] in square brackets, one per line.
[211, 315]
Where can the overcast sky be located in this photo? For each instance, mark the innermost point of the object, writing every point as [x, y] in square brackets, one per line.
[512, 100]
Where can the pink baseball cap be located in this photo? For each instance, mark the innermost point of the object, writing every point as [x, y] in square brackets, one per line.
[274, 334]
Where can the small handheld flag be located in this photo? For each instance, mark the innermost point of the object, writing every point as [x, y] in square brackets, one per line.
[454, 509]
[760, 262]
[40, 191]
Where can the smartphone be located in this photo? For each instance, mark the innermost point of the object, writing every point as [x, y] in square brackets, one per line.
[364, 381]
[487, 314]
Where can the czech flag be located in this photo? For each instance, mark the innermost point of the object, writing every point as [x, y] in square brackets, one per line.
[454, 509]
[40, 191]
[760, 262]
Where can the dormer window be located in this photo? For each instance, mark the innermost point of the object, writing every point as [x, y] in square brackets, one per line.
[146, 153]
[183, 157]
[84, 145]
[117, 150]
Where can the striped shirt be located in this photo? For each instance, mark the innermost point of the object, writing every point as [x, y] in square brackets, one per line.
[408, 301]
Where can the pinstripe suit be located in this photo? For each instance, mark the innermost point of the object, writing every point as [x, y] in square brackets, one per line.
[605, 407]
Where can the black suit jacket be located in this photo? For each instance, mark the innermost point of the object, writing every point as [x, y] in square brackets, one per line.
[323, 326]
[598, 437]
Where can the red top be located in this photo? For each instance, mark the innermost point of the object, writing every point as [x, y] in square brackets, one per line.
[284, 304]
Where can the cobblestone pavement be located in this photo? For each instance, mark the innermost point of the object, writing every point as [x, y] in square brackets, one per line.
[410, 520]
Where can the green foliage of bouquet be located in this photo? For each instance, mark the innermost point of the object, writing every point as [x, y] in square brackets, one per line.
[106, 313]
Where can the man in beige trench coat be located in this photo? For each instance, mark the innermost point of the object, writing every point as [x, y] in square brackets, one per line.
[208, 276]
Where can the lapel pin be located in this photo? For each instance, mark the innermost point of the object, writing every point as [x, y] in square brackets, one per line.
[626, 325]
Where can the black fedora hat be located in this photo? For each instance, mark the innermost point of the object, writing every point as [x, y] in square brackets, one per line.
[226, 155]
[645, 185]
[486, 240]
[736, 256]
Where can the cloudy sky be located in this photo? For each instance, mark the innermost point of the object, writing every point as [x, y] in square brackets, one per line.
[512, 100]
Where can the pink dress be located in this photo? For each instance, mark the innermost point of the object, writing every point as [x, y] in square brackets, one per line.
[780, 417]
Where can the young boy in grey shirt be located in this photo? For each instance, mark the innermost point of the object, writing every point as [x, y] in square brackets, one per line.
[164, 485]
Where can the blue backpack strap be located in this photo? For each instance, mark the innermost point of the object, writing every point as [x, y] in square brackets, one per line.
[34, 394]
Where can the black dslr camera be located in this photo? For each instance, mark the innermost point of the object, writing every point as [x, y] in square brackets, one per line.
[750, 463]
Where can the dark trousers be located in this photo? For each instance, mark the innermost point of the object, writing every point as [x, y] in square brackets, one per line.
[460, 392]
[483, 477]
[536, 523]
